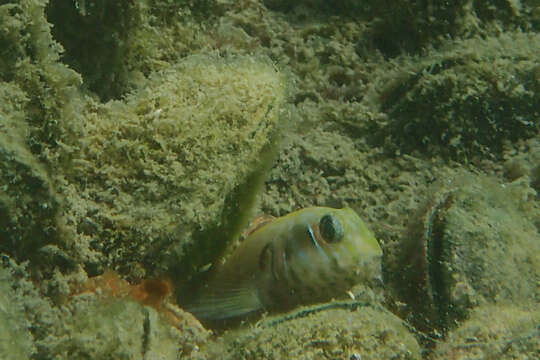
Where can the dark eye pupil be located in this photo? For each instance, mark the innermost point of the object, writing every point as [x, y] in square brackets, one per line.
[330, 228]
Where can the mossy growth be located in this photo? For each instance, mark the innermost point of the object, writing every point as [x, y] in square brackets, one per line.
[173, 162]
[28, 204]
[39, 105]
[16, 341]
[493, 332]
[464, 102]
[343, 7]
[189, 155]
[29, 59]
[396, 27]
[404, 26]
[113, 44]
[490, 246]
[200, 9]
[95, 36]
[25, 37]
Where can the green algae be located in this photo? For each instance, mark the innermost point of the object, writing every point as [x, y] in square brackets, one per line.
[96, 37]
[74, 135]
[113, 45]
[167, 159]
[85, 185]
[16, 340]
[494, 332]
[479, 95]
[28, 204]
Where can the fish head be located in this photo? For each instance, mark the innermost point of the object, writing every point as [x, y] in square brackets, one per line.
[355, 236]
[329, 248]
[357, 251]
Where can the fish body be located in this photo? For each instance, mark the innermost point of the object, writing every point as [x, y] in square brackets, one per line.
[309, 255]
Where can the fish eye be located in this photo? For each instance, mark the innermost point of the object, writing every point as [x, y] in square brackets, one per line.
[330, 228]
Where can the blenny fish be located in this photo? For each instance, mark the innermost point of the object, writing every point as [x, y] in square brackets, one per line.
[307, 256]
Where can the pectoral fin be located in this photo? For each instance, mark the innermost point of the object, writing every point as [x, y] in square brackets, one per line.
[227, 302]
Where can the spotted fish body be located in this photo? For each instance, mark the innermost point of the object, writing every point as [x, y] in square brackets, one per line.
[310, 255]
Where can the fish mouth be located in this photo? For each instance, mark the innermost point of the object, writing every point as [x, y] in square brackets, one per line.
[367, 244]
[373, 248]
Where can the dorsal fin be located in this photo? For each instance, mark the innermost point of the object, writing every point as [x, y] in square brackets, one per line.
[258, 222]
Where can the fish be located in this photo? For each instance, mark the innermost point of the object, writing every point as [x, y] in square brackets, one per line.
[308, 256]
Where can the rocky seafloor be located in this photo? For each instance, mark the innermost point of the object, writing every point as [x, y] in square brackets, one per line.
[139, 138]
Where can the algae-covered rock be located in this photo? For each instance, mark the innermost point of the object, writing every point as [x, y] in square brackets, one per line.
[39, 106]
[396, 26]
[111, 328]
[494, 332]
[116, 330]
[474, 242]
[173, 334]
[16, 341]
[131, 179]
[468, 99]
[98, 322]
[174, 161]
[28, 204]
[346, 333]
[96, 36]
[399, 26]
[25, 36]
[114, 45]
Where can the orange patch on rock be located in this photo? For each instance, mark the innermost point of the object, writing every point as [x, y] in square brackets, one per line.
[150, 292]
